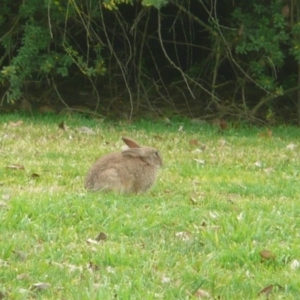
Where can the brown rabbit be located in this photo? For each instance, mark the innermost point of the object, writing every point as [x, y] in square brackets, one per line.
[133, 170]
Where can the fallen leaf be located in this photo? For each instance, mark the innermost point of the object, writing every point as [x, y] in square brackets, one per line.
[180, 129]
[258, 164]
[34, 175]
[266, 134]
[5, 197]
[268, 170]
[93, 266]
[15, 124]
[202, 294]
[101, 236]
[21, 255]
[3, 204]
[183, 235]
[23, 276]
[40, 286]
[193, 142]
[295, 264]
[62, 126]
[165, 279]
[267, 255]
[91, 242]
[16, 167]
[199, 161]
[291, 146]
[222, 142]
[3, 295]
[266, 291]
[86, 130]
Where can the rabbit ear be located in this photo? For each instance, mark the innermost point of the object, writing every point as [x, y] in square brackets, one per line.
[134, 152]
[130, 143]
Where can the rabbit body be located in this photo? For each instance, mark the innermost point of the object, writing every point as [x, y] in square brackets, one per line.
[134, 170]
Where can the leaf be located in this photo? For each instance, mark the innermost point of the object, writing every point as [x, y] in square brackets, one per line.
[295, 264]
[165, 279]
[5, 197]
[62, 126]
[101, 237]
[291, 146]
[16, 167]
[266, 291]
[180, 129]
[40, 286]
[199, 161]
[183, 235]
[258, 164]
[34, 175]
[91, 242]
[266, 134]
[202, 294]
[15, 124]
[21, 255]
[267, 255]
[23, 276]
[86, 130]
[93, 266]
[193, 142]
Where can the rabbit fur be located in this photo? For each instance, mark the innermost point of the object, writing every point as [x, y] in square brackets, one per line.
[133, 170]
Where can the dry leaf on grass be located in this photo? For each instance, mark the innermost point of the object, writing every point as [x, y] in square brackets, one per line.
[21, 255]
[91, 242]
[86, 130]
[3, 204]
[165, 279]
[101, 237]
[180, 129]
[199, 161]
[16, 167]
[93, 266]
[62, 126]
[291, 146]
[15, 124]
[193, 142]
[202, 294]
[295, 264]
[268, 289]
[266, 134]
[267, 255]
[183, 235]
[23, 276]
[40, 286]
[6, 197]
[3, 295]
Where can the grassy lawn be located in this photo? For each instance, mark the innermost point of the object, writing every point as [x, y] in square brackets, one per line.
[219, 201]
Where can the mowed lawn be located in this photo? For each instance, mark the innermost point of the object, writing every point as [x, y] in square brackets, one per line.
[221, 222]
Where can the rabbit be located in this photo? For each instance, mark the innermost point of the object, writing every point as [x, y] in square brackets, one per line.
[133, 170]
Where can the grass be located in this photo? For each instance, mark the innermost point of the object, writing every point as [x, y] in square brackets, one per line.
[202, 226]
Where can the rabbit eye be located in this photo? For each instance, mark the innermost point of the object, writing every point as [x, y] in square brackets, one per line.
[156, 153]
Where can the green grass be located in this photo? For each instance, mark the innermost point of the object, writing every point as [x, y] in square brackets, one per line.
[201, 226]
